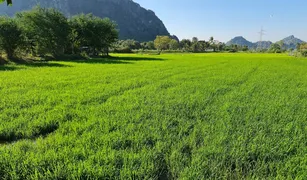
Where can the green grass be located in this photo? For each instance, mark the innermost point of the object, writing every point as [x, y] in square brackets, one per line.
[190, 116]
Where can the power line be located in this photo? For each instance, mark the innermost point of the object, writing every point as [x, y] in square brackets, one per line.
[261, 37]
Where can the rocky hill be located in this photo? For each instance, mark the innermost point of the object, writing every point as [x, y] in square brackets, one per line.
[263, 44]
[241, 41]
[289, 42]
[134, 21]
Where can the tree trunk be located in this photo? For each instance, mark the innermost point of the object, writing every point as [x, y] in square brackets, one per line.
[72, 49]
[10, 54]
[107, 51]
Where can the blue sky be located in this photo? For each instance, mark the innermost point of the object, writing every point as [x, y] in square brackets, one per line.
[225, 19]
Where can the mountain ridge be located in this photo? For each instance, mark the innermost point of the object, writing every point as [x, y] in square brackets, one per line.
[289, 42]
[134, 21]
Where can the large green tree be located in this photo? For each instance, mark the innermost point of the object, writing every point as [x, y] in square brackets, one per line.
[173, 44]
[93, 32]
[46, 29]
[275, 48]
[10, 36]
[302, 48]
[185, 44]
[148, 45]
[281, 44]
[194, 40]
[162, 43]
[129, 43]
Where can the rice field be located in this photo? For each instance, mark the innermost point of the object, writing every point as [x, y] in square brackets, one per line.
[173, 116]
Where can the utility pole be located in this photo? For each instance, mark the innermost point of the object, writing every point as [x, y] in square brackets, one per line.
[261, 37]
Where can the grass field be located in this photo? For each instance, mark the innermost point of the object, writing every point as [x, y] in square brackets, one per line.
[190, 116]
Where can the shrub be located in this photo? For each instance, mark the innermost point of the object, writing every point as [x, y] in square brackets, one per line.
[304, 53]
[10, 36]
[123, 50]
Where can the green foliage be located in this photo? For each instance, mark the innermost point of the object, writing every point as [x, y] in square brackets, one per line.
[173, 116]
[194, 40]
[122, 50]
[46, 30]
[198, 46]
[302, 49]
[150, 45]
[281, 45]
[185, 44]
[10, 36]
[169, 44]
[275, 48]
[245, 48]
[162, 42]
[173, 44]
[92, 32]
[233, 48]
[195, 47]
[304, 53]
[7, 1]
[126, 46]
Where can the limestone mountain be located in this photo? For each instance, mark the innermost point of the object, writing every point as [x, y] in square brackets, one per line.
[263, 44]
[134, 21]
[241, 41]
[291, 42]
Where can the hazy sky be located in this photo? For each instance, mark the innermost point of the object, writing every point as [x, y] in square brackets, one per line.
[225, 19]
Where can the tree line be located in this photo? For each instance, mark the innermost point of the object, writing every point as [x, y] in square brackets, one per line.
[46, 31]
[280, 47]
[167, 43]
[302, 49]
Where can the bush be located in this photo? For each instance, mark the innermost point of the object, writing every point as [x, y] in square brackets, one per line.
[232, 51]
[46, 30]
[123, 50]
[2, 61]
[141, 51]
[10, 36]
[304, 53]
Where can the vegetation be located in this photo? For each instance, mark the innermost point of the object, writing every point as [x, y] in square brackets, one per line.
[170, 44]
[185, 116]
[46, 30]
[43, 32]
[10, 36]
[275, 48]
[95, 33]
[302, 48]
[8, 1]
[134, 21]
[173, 116]
[162, 43]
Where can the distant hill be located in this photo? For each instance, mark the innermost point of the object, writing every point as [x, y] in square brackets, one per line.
[239, 40]
[289, 42]
[134, 21]
[263, 45]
